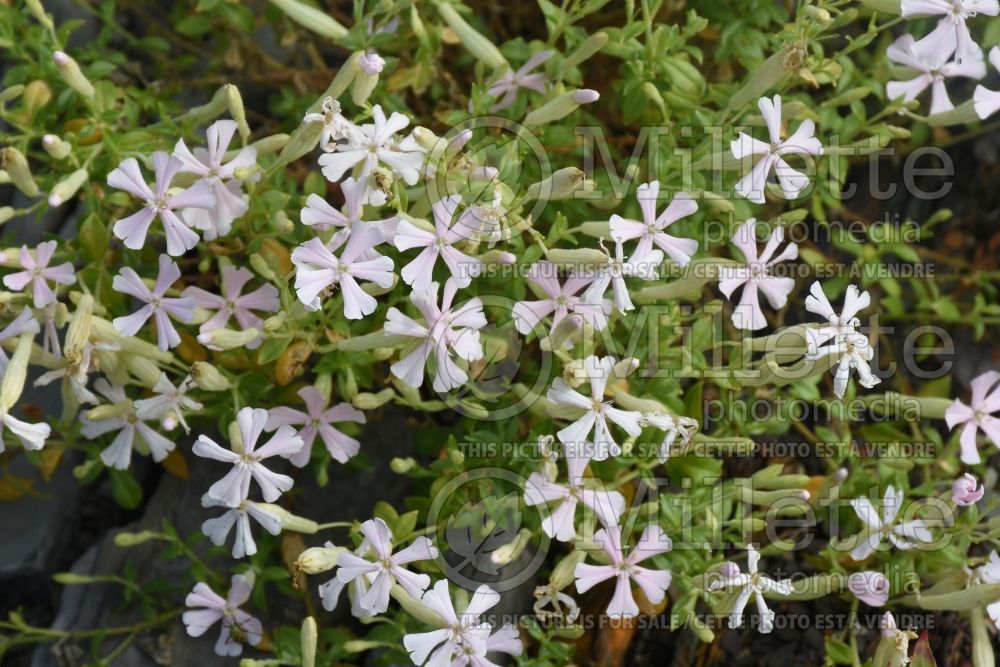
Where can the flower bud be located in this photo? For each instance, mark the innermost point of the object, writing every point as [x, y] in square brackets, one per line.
[264, 269]
[560, 185]
[11, 93]
[109, 411]
[425, 138]
[587, 48]
[234, 101]
[319, 559]
[566, 332]
[16, 166]
[307, 638]
[817, 14]
[36, 95]
[478, 45]
[269, 144]
[311, 18]
[282, 223]
[144, 370]
[371, 63]
[228, 339]
[563, 573]
[66, 188]
[966, 490]
[367, 401]
[207, 377]
[211, 109]
[17, 370]
[6, 213]
[55, 146]
[560, 106]
[72, 75]
[509, 552]
[134, 539]
[80, 327]
[501, 257]
[872, 588]
[484, 173]
[291, 521]
[402, 466]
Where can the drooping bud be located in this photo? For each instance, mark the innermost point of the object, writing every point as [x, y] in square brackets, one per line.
[66, 188]
[55, 146]
[319, 559]
[207, 378]
[70, 72]
[560, 106]
[16, 165]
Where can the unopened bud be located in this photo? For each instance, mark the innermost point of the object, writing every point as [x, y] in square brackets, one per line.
[67, 188]
[311, 18]
[563, 573]
[109, 411]
[228, 339]
[319, 559]
[17, 370]
[134, 539]
[80, 327]
[11, 93]
[560, 185]
[425, 138]
[564, 333]
[560, 106]
[36, 95]
[367, 401]
[70, 72]
[261, 266]
[501, 257]
[587, 48]
[282, 223]
[6, 213]
[507, 553]
[371, 63]
[16, 166]
[289, 521]
[307, 637]
[235, 103]
[55, 146]
[207, 377]
[479, 46]
[402, 466]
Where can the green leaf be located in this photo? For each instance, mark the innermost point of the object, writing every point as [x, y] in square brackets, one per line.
[125, 489]
[839, 652]
[194, 26]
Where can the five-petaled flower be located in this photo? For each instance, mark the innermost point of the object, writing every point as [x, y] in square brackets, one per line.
[419, 273]
[625, 569]
[208, 608]
[158, 306]
[753, 583]
[755, 275]
[459, 633]
[560, 300]
[985, 400]
[318, 418]
[951, 34]
[169, 404]
[932, 70]
[217, 529]
[232, 303]
[37, 273]
[319, 215]
[839, 338]
[802, 142]
[613, 272]
[158, 202]
[132, 429]
[505, 88]
[247, 463]
[652, 228]
[903, 535]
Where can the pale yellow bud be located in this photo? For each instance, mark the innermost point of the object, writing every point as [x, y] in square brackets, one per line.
[55, 146]
[66, 188]
[319, 559]
[16, 166]
[207, 378]
[70, 72]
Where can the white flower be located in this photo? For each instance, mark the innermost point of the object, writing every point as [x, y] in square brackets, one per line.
[487, 220]
[371, 63]
[988, 101]
[319, 215]
[560, 523]
[208, 608]
[443, 331]
[625, 569]
[248, 463]
[802, 142]
[672, 426]
[170, 403]
[755, 275]
[510, 82]
[440, 243]
[161, 308]
[614, 271]
[505, 640]
[652, 228]
[217, 529]
[330, 591]
[25, 322]
[387, 568]
[31, 436]
[985, 400]
[132, 430]
[335, 126]
[902, 535]
[232, 303]
[596, 411]
[37, 273]
[158, 202]
[753, 583]
[318, 418]
[932, 70]
[372, 145]
[318, 271]
[560, 301]
[951, 34]
[221, 178]
[840, 337]
[459, 632]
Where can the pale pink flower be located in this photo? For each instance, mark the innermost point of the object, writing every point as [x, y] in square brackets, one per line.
[967, 490]
[232, 303]
[319, 215]
[37, 274]
[872, 588]
[931, 70]
[387, 568]
[318, 271]
[592, 426]
[158, 306]
[217, 529]
[802, 142]
[440, 243]
[371, 63]
[614, 271]
[330, 591]
[158, 202]
[985, 400]
[169, 404]
[652, 228]
[248, 463]
[510, 82]
[220, 177]
[505, 640]
[560, 523]
[755, 275]
[988, 101]
[460, 631]
[753, 583]
[840, 337]
[318, 419]
[951, 34]
[132, 431]
[625, 569]
[560, 301]
[443, 331]
[904, 535]
[208, 608]
[25, 322]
